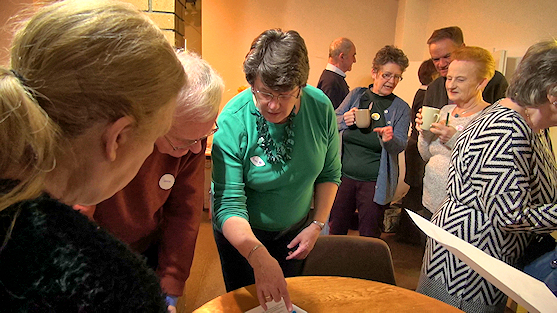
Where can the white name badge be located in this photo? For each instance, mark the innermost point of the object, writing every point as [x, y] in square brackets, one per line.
[256, 160]
[167, 181]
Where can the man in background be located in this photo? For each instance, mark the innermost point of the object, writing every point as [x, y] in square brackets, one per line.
[342, 54]
[442, 43]
[159, 212]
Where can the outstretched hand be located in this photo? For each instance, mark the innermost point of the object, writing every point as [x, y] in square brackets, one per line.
[305, 241]
[386, 133]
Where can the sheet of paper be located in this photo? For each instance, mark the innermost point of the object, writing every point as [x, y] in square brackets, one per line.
[276, 307]
[527, 291]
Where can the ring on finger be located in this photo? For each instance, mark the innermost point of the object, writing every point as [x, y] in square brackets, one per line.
[268, 298]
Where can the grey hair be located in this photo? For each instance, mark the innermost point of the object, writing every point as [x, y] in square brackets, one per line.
[390, 54]
[340, 45]
[199, 100]
[279, 59]
[536, 75]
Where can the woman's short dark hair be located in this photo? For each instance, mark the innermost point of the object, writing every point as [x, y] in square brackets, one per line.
[390, 54]
[427, 72]
[280, 59]
[536, 75]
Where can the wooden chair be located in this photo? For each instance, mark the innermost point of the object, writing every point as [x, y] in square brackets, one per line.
[351, 256]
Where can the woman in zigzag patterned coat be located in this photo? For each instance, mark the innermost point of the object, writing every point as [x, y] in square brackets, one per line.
[502, 183]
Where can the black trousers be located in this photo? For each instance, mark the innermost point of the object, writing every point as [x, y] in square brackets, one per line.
[236, 270]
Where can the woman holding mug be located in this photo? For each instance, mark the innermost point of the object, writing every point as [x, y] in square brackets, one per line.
[501, 185]
[370, 154]
[78, 116]
[465, 83]
[277, 144]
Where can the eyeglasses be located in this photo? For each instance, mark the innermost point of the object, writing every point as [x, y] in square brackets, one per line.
[265, 97]
[189, 143]
[388, 76]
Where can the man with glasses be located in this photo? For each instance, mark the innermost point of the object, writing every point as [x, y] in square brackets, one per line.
[342, 54]
[159, 212]
[441, 44]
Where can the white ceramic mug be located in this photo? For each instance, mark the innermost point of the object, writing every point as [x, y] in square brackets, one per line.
[363, 118]
[429, 115]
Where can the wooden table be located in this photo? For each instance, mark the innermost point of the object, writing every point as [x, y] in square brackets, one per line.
[334, 294]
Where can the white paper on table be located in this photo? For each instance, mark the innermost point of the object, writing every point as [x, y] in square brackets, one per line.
[527, 291]
[276, 307]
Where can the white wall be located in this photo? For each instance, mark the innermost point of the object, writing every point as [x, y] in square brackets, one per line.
[8, 11]
[230, 26]
[511, 25]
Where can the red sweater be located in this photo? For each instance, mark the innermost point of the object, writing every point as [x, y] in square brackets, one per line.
[151, 208]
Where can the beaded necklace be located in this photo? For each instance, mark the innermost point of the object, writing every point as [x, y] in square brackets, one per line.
[276, 153]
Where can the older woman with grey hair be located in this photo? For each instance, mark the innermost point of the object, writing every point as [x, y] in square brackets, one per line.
[370, 154]
[158, 213]
[501, 187]
[278, 144]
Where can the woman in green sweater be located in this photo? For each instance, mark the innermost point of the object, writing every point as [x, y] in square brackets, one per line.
[277, 144]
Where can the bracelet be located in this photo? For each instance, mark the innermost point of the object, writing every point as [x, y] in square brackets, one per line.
[253, 250]
[318, 223]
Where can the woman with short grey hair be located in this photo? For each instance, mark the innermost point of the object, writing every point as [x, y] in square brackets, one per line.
[278, 144]
[370, 153]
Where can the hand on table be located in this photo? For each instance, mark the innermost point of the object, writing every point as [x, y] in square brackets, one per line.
[269, 279]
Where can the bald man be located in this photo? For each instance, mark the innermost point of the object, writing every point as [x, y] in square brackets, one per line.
[342, 54]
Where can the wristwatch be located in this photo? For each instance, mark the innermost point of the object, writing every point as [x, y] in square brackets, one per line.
[318, 223]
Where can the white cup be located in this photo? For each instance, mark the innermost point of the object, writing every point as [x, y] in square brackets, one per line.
[429, 115]
[363, 118]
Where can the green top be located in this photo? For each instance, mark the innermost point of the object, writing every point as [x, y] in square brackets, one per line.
[272, 197]
[361, 152]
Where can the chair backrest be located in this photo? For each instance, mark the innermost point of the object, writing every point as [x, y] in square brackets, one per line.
[351, 256]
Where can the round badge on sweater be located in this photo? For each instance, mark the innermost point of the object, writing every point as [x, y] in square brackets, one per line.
[167, 181]
[257, 161]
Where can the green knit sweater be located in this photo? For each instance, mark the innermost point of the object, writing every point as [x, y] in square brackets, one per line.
[272, 197]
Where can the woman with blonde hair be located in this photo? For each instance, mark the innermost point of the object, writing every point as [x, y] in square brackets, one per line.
[78, 116]
[465, 84]
[501, 183]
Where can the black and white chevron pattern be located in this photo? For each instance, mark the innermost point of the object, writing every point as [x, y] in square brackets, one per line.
[500, 177]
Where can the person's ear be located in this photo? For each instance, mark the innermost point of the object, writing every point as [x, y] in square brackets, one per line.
[482, 84]
[115, 135]
[373, 73]
[552, 99]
